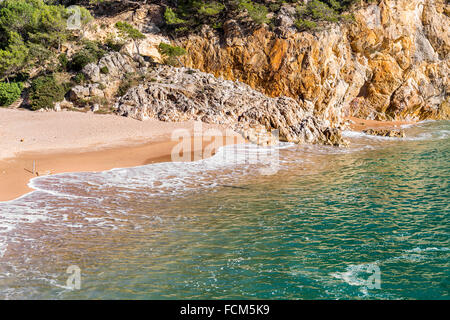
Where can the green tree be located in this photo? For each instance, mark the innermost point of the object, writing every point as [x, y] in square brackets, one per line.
[31, 31]
[210, 8]
[315, 12]
[257, 12]
[9, 93]
[171, 53]
[90, 53]
[127, 31]
[45, 91]
[171, 17]
[14, 56]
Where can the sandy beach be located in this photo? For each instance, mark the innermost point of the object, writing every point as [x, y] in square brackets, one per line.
[59, 142]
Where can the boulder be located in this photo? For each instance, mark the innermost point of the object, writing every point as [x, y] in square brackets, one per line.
[92, 72]
[78, 93]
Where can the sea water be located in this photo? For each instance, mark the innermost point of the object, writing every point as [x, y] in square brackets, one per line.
[292, 222]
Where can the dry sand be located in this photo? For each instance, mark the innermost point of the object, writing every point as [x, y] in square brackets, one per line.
[74, 142]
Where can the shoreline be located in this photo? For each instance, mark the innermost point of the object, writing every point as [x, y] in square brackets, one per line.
[16, 172]
[67, 141]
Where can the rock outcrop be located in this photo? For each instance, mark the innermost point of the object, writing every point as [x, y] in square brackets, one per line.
[386, 133]
[179, 94]
[104, 78]
[392, 62]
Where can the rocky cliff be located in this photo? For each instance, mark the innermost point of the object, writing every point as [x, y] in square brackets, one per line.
[391, 62]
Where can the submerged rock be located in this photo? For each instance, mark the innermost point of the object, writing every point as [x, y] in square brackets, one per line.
[180, 94]
[259, 136]
[386, 133]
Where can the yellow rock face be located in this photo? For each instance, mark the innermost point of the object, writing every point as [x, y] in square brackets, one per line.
[392, 62]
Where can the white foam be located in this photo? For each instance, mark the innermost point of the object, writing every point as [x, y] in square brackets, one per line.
[429, 249]
[352, 134]
[352, 274]
[435, 135]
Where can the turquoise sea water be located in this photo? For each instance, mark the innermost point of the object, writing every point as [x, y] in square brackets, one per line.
[329, 223]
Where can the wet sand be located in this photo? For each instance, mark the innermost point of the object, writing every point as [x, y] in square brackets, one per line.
[358, 124]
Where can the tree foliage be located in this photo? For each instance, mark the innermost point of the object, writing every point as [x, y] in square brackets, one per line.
[30, 31]
[128, 31]
[257, 12]
[171, 17]
[45, 91]
[9, 92]
[170, 53]
[90, 53]
[319, 11]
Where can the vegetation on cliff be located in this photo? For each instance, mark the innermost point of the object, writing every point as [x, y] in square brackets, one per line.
[31, 35]
[183, 16]
[305, 50]
[186, 15]
[32, 31]
[171, 53]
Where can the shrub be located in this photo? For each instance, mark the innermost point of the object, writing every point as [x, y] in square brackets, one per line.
[9, 92]
[171, 17]
[274, 7]
[91, 53]
[211, 9]
[217, 25]
[257, 12]
[303, 24]
[348, 17]
[321, 11]
[45, 91]
[79, 78]
[81, 59]
[63, 62]
[128, 31]
[316, 11]
[182, 29]
[126, 84]
[114, 45]
[104, 70]
[170, 53]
